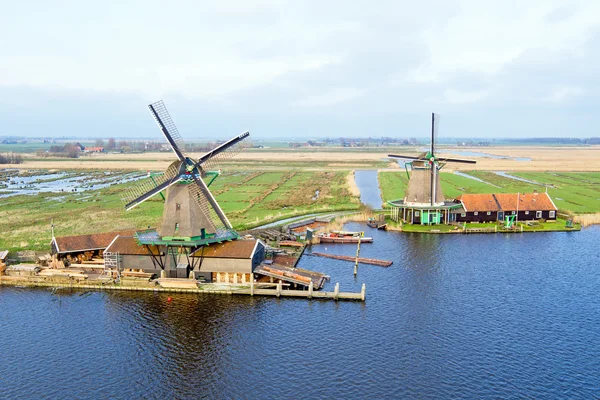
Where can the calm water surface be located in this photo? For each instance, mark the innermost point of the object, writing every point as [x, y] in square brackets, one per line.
[476, 316]
[368, 184]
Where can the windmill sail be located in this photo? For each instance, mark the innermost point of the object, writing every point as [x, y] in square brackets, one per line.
[223, 152]
[168, 128]
[151, 186]
[209, 206]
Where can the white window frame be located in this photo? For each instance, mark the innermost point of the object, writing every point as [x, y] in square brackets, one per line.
[489, 213]
[538, 214]
[476, 213]
[417, 213]
[463, 214]
[552, 214]
[514, 212]
[526, 212]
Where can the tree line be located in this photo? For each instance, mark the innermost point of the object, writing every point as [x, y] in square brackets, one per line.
[11, 158]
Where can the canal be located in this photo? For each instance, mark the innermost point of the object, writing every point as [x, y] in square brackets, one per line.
[495, 316]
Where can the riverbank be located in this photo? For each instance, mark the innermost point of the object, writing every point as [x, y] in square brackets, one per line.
[186, 286]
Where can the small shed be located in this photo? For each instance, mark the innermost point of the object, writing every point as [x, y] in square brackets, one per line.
[84, 246]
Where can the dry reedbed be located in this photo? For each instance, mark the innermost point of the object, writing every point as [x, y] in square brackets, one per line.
[587, 219]
[352, 187]
[542, 159]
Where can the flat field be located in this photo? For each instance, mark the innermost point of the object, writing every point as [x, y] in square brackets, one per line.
[577, 192]
[565, 159]
[248, 198]
[265, 185]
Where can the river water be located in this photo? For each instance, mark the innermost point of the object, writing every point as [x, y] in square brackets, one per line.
[368, 184]
[476, 316]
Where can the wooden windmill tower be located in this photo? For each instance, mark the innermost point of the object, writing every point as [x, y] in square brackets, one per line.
[424, 202]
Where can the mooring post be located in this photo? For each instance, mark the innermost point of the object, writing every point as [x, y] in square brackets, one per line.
[336, 291]
[363, 292]
[279, 286]
[310, 289]
[251, 287]
[163, 273]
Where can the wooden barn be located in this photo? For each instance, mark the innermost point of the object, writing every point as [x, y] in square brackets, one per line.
[497, 206]
[230, 261]
[83, 247]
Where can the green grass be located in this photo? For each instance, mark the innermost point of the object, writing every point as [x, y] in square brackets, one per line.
[577, 192]
[26, 220]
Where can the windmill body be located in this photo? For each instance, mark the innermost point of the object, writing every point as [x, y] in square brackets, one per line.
[424, 201]
[191, 218]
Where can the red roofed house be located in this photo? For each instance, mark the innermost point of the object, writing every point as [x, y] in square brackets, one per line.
[494, 207]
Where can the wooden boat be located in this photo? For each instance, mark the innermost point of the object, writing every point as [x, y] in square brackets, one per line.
[336, 238]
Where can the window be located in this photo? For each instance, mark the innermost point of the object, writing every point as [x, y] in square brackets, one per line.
[552, 214]
[526, 212]
[416, 213]
[538, 214]
[475, 213]
[489, 213]
[177, 206]
[463, 214]
[176, 226]
[514, 212]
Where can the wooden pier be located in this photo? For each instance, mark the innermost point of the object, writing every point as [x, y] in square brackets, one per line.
[251, 289]
[371, 261]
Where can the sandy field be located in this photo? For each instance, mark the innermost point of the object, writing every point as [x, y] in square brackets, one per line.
[542, 159]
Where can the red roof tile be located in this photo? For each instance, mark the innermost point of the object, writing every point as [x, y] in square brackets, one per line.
[479, 202]
[527, 201]
[507, 202]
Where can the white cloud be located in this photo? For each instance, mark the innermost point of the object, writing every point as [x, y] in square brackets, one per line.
[330, 98]
[563, 93]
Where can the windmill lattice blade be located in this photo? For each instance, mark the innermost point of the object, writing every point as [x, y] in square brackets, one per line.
[146, 188]
[404, 157]
[223, 152]
[168, 128]
[435, 123]
[209, 206]
[457, 160]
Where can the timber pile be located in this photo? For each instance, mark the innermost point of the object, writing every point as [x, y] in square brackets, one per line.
[291, 243]
[371, 261]
[65, 273]
[178, 283]
[137, 274]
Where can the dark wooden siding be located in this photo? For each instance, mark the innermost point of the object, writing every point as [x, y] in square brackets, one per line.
[480, 217]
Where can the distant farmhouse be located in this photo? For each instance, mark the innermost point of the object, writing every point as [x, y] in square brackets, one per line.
[89, 150]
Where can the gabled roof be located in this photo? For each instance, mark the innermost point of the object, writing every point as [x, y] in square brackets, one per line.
[479, 202]
[127, 245]
[526, 202]
[3, 254]
[507, 202]
[232, 249]
[96, 241]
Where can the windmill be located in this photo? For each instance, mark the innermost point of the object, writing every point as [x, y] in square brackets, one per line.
[191, 215]
[424, 193]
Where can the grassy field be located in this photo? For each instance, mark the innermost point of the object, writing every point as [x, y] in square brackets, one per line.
[577, 192]
[248, 198]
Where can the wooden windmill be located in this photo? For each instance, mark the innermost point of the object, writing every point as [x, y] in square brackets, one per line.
[424, 193]
[190, 213]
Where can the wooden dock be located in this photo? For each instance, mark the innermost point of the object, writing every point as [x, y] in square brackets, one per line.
[251, 289]
[371, 261]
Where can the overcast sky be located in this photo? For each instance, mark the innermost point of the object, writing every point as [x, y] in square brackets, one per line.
[300, 68]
